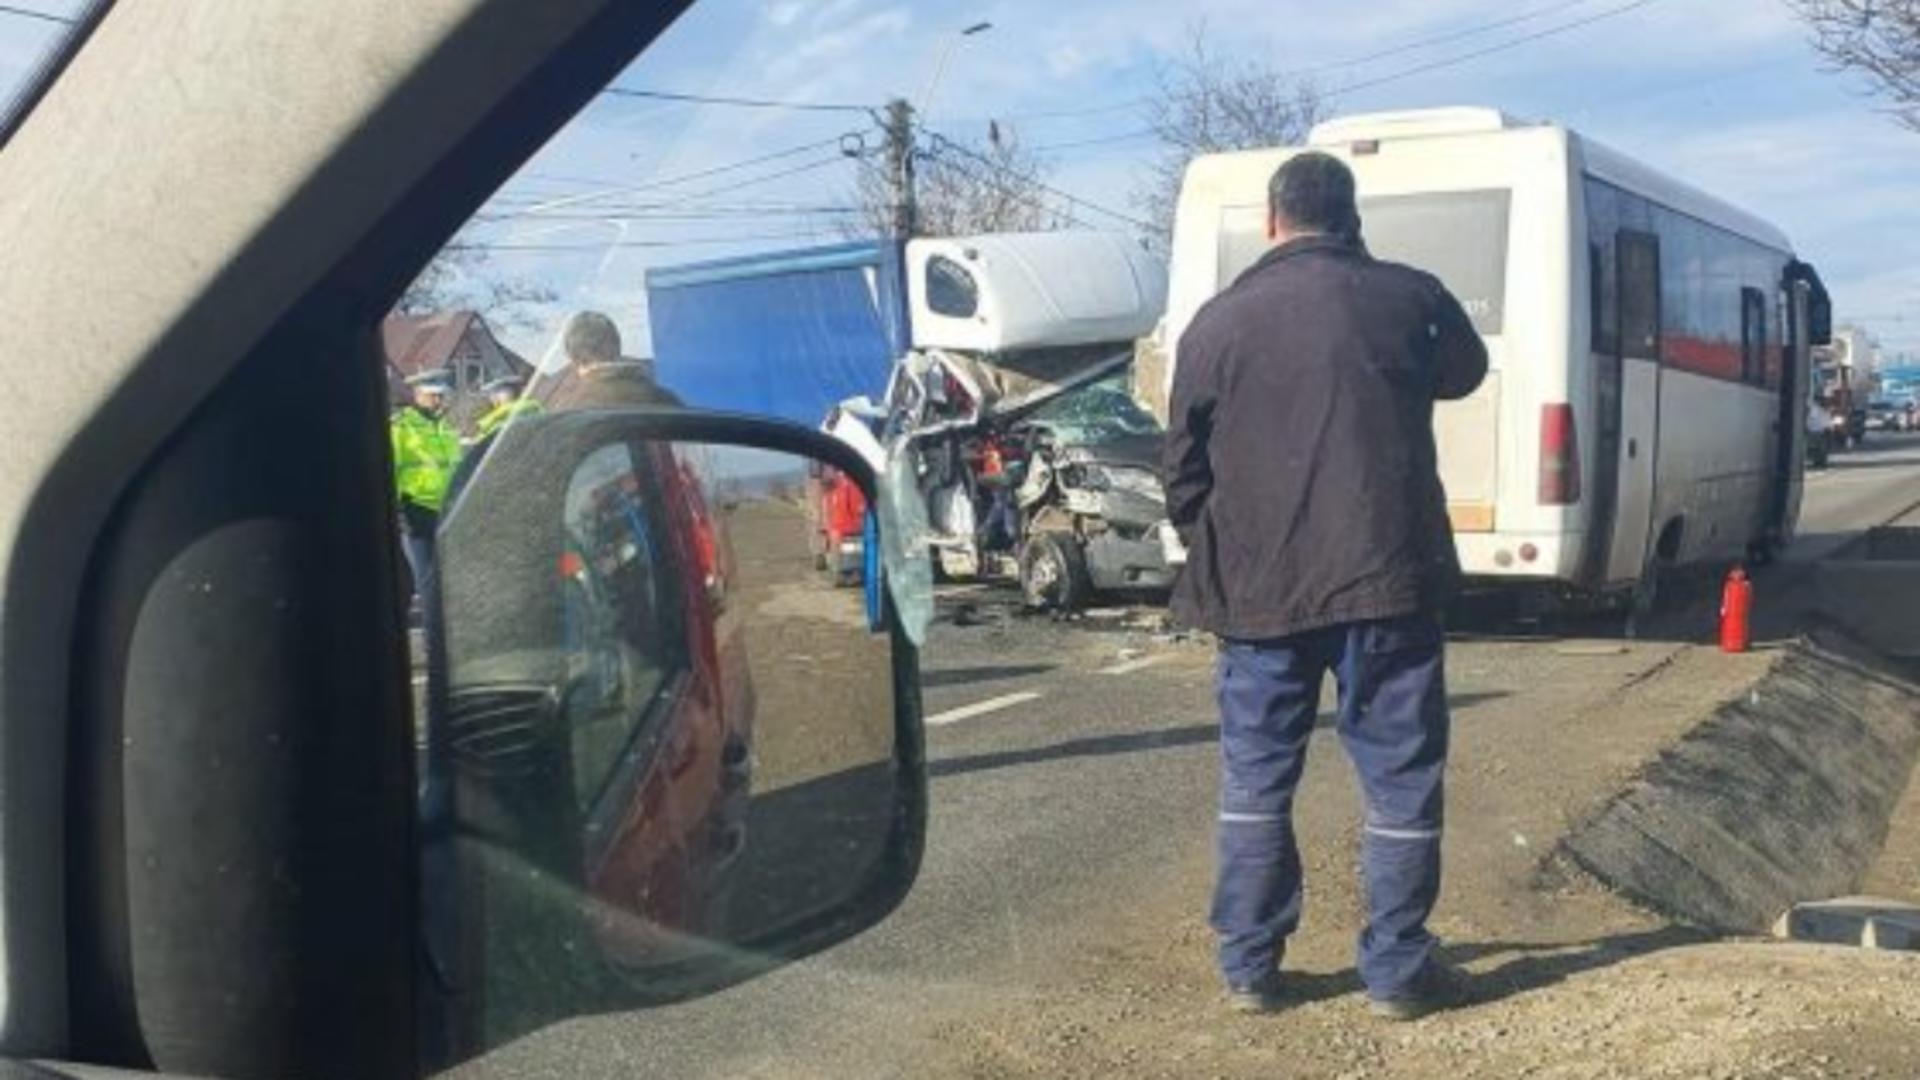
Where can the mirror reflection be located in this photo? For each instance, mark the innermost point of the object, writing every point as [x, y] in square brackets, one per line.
[658, 725]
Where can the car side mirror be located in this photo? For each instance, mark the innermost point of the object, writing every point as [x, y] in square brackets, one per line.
[670, 738]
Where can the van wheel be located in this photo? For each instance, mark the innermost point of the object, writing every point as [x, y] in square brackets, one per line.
[1053, 573]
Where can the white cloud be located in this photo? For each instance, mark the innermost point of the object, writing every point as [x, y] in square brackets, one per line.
[834, 10]
[839, 45]
[1066, 61]
[785, 12]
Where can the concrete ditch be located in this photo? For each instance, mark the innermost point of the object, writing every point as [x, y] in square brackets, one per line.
[1782, 796]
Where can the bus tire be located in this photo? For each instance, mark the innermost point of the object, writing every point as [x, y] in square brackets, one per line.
[1644, 601]
[1650, 589]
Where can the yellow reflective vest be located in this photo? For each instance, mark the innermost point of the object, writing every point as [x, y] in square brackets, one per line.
[497, 417]
[425, 451]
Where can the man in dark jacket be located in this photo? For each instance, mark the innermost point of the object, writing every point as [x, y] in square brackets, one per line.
[1301, 473]
[598, 375]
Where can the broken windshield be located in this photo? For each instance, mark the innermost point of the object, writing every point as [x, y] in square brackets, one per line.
[1098, 414]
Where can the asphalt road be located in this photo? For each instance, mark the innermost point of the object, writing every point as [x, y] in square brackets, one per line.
[1058, 926]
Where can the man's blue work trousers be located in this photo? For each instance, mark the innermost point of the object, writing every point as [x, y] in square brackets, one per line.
[1393, 720]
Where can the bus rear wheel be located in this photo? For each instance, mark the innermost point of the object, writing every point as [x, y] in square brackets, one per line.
[1649, 596]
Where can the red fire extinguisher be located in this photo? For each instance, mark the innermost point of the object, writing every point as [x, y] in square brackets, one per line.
[1736, 609]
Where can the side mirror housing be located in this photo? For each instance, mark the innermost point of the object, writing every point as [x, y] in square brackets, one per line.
[1819, 303]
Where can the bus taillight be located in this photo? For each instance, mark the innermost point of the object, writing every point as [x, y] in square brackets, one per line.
[1559, 456]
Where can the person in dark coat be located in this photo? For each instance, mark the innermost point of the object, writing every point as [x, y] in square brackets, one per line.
[597, 375]
[1302, 476]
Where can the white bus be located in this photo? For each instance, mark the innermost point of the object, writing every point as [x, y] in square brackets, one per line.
[1649, 343]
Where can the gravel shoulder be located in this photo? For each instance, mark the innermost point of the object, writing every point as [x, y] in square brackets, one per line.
[1566, 979]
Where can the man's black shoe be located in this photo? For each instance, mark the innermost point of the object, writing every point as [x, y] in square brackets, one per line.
[1263, 995]
[1438, 986]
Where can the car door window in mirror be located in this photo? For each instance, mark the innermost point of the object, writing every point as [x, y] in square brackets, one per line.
[621, 616]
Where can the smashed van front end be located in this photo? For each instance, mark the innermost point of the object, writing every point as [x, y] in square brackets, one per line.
[1015, 400]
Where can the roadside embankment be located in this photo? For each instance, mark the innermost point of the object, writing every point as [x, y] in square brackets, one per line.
[1780, 796]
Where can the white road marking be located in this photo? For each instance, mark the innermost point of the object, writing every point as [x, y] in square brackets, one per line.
[981, 708]
[1130, 666]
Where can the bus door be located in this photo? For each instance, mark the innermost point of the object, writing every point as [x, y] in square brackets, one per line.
[1597, 555]
[1637, 256]
[1796, 375]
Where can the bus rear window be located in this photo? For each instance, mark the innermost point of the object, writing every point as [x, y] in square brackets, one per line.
[1458, 236]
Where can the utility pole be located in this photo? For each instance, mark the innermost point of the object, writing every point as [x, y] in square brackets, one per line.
[898, 127]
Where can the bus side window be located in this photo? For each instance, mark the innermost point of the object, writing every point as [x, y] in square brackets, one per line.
[1637, 256]
[1753, 335]
[1602, 299]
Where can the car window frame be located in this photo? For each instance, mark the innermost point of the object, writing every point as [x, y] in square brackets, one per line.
[156, 371]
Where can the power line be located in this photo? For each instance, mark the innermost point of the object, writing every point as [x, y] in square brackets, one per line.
[1091, 110]
[1443, 39]
[738, 102]
[941, 142]
[585, 198]
[1024, 196]
[651, 245]
[1512, 43]
[1103, 140]
[717, 170]
[1420, 69]
[1352, 61]
[782, 174]
[534, 215]
[718, 213]
[44, 16]
[504, 206]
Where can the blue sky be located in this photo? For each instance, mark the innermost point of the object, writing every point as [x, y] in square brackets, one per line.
[1724, 95]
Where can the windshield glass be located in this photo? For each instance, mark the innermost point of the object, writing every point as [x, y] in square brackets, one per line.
[1098, 414]
[665, 806]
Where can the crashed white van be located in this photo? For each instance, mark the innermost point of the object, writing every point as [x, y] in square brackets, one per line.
[1028, 447]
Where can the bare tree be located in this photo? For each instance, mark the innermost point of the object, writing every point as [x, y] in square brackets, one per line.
[1206, 103]
[463, 277]
[1878, 39]
[963, 188]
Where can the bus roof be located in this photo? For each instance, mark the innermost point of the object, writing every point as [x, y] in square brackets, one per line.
[1597, 158]
[1624, 172]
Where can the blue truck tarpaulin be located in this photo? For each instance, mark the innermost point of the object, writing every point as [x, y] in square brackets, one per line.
[787, 334]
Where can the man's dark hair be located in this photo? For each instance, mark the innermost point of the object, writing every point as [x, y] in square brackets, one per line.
[591, 338]
[1313, 192]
